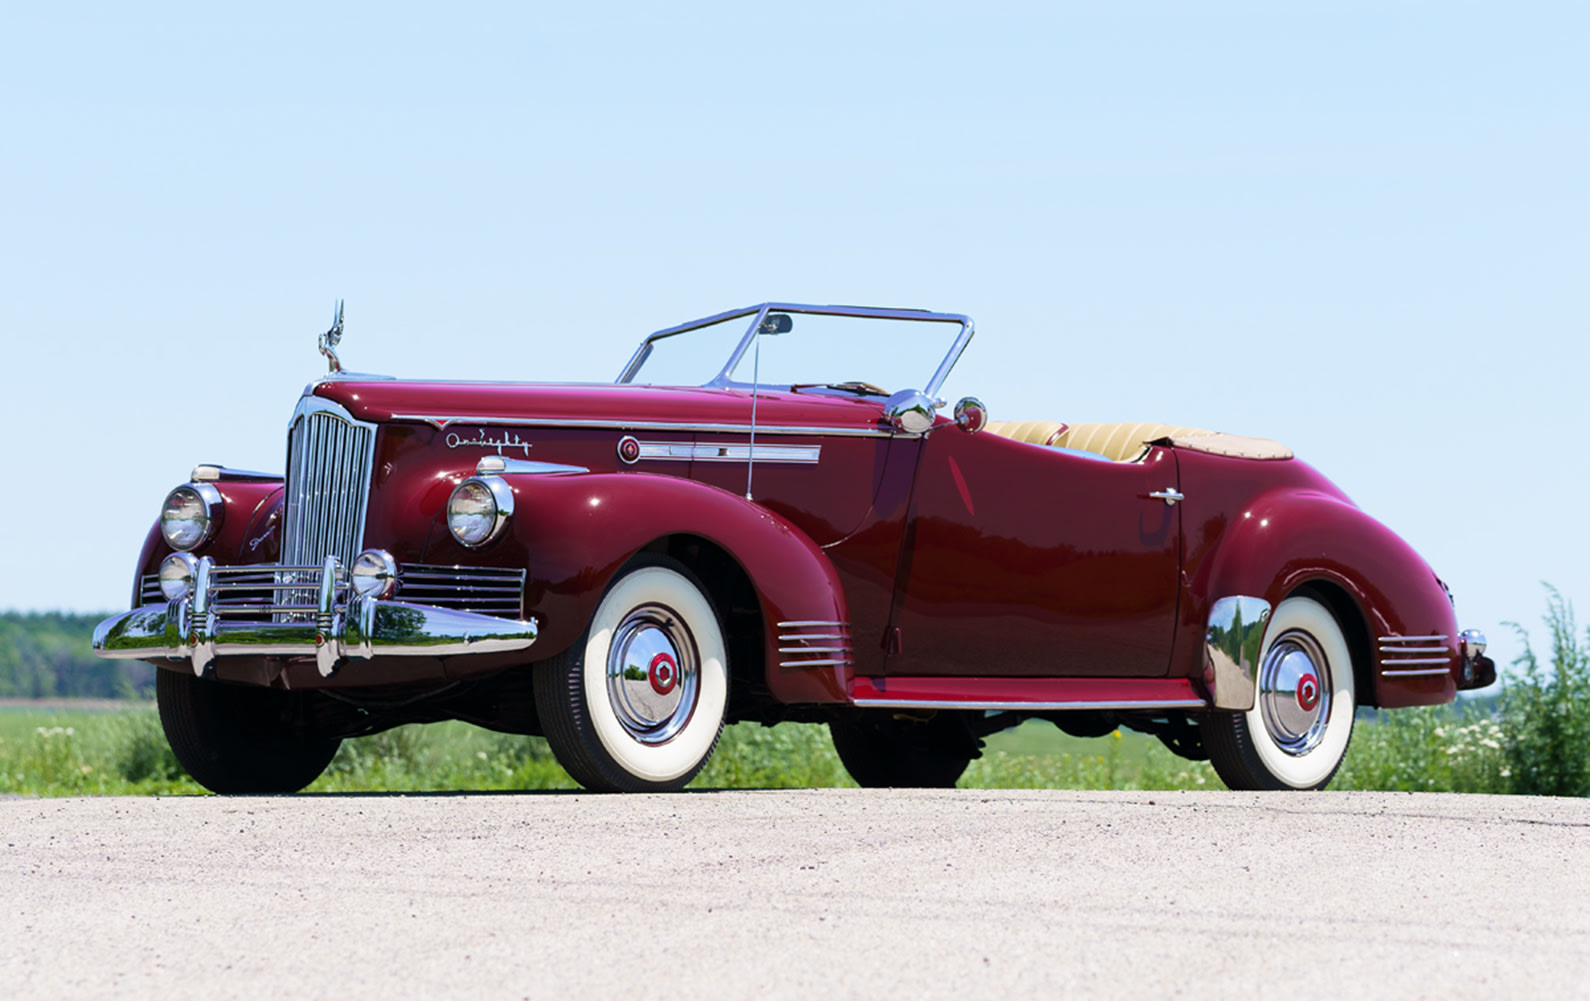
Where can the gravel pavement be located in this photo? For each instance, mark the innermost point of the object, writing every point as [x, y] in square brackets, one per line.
[811, 893]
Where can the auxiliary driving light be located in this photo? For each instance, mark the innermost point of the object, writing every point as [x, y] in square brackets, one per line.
[177, 572]
[374, 573]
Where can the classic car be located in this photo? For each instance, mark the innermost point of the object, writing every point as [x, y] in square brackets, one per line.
[767, 518]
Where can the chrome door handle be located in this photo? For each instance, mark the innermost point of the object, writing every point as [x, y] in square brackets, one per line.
[1170, 495]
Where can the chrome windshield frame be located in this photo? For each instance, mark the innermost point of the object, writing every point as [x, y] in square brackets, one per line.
[759, 312]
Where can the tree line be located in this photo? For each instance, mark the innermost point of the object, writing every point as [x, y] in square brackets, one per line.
[50, 655]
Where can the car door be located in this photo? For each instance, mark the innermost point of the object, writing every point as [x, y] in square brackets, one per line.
[1025, 560]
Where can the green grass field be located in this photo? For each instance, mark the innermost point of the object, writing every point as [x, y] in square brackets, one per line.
[121, 751]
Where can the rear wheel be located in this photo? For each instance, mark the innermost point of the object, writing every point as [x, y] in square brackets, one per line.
[637, 704]
[881, 750]
[238, 738]
[1297, 732]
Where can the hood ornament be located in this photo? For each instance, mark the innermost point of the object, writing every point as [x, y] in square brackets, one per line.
[331, 338]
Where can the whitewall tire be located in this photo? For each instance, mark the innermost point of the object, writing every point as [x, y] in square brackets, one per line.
[1296, 734]
[638, 703]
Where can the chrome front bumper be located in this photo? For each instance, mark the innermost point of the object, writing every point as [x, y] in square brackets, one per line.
[340, 625]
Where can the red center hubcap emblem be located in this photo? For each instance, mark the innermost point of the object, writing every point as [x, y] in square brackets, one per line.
[1308, 692]
[663, 674]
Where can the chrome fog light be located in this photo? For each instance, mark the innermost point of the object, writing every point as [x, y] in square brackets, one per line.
[478, 509]
[177, 572]
[189, 515]
[374, 573]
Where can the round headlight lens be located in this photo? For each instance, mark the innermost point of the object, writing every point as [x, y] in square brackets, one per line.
[374, 573]
[478, 509]
[188, 515]
[176, 576]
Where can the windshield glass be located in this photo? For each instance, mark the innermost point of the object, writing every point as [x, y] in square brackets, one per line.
[692, 357]
[804, 347]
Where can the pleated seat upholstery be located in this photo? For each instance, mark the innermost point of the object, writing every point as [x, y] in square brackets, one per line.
[1121, 442]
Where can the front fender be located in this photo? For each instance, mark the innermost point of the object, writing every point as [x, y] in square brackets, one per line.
[248, 531]
[574, 532]
[1287, 538]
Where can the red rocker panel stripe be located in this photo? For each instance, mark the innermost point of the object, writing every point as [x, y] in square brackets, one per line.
[1027, 693]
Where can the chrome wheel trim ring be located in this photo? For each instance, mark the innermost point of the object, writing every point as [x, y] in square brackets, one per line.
[653, 674]
[1295, 693]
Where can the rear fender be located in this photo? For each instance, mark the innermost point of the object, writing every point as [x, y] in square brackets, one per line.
[575, 532]
[1287, 540]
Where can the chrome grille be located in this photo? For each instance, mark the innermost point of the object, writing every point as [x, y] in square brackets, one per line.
[254, 594]
[149, 590]
[329, 455]
[487, 590]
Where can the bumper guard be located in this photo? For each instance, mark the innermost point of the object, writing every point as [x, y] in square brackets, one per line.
[340, 625]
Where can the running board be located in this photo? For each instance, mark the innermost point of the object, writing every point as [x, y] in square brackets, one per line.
[1029, 694]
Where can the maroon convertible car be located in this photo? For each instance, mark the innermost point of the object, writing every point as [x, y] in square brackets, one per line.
[767, 518]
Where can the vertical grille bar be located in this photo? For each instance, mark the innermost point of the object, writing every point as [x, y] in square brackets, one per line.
[328, 481]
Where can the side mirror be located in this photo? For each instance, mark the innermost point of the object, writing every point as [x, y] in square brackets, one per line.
[910, 411]
[970, 415]
[776, 323]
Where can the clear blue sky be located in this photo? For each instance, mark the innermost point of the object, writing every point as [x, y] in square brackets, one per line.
[1362, 229]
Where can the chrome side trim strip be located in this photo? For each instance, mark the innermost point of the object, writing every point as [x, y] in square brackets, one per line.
[1399, 661]
[761, 429]
[499, 464]
[795, 625]
[1427, 672]
[1231, 650]
[1004, 706]
[672, 451]
[1413, 639]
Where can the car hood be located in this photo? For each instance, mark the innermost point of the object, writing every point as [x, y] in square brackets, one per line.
[443, 403]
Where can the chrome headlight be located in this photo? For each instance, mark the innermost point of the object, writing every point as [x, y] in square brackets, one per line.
[478, 509]
[176, 576]
[189, 515]
[374, 573]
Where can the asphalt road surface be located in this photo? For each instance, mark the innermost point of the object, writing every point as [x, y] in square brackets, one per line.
[810, 894]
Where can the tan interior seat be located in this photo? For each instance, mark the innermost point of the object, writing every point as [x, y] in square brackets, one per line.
[1121, 442]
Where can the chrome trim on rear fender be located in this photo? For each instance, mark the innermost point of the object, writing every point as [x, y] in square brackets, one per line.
[1409, 656]
[1231, 650]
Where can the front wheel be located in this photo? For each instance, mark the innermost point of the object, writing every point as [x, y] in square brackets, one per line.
[238, 738]
[1297, 732]
[637, 704]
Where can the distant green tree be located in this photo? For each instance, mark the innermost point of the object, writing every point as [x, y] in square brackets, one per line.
[50, 655]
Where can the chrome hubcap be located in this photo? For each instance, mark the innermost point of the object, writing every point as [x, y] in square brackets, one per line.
[652, 674]
[1294, 693]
